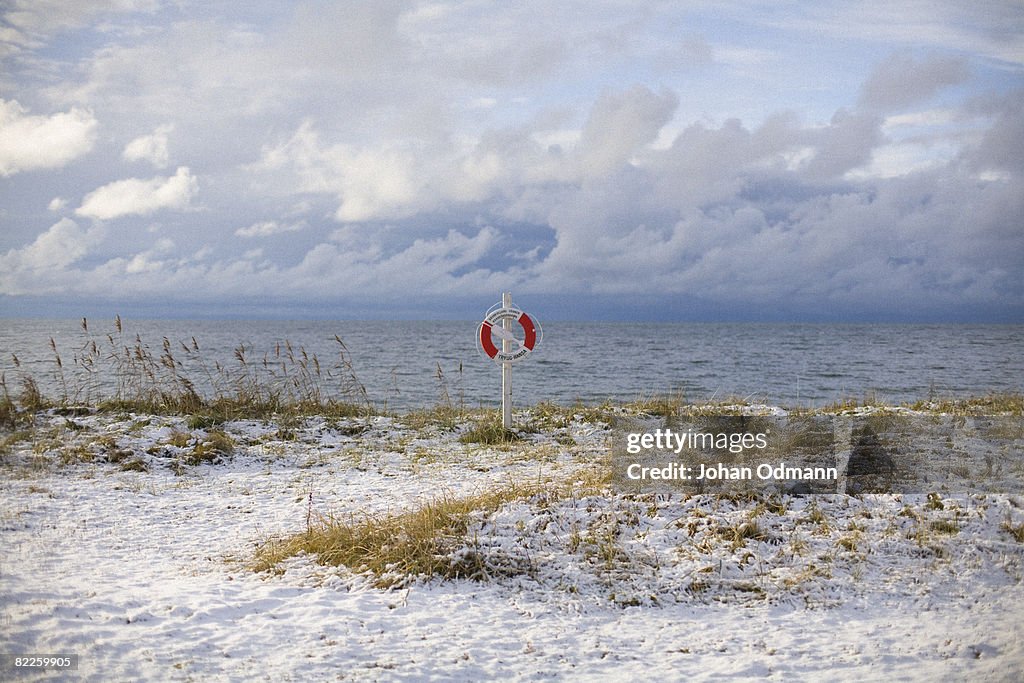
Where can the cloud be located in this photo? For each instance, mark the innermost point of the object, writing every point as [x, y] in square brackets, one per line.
[31, 22]
[41, 266]
[432, 268]
[151, 148]
[267, 228]
[397, 180]
[370, 183]
[721, 216]
[620, 124]
[846, 143]
[901, 81]
[1001, 147]
[784, 213]
[42, 142]
[140, 197]
[454, 147]
[991, 28]
[61, 245]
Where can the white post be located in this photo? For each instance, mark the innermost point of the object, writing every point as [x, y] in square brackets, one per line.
[506, 367]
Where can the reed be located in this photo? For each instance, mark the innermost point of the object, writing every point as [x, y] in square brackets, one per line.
[8, 409]
[119, 372]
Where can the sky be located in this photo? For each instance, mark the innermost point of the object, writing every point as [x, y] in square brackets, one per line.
[727, 160]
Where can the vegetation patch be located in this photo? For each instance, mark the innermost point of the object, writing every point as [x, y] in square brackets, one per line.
[135, 465]
[661, 406]
[1010, 404]
[418, 544]
[445, 417]
[175, 378]
[1015, 530]
[489, 431]
[212, 448]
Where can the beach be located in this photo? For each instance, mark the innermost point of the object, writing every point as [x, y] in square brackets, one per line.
[130, 543]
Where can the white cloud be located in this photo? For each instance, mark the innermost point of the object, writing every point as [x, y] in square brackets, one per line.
[267, 228]
[620, 124]
[38, 142]
[149, 261]
[919, 119]
[57, 204]
[891, 161]
[41, 265]
[61, 245]
[370, 182]
[135, 196]
[396, 180]
[151, 148]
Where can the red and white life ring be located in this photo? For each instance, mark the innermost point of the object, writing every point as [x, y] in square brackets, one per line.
[492, 323]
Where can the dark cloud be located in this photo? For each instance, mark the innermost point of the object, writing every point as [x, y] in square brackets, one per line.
[901, 80]
[1001, 147]
[844, 145]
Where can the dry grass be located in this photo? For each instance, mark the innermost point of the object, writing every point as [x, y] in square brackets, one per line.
[488, 430]
[1015, 530]
[1001, 404]
[420, 543]
[1008, 404]
[870, 400]
[31, 400]
[443, 416]
[216, 445]
[9, 416]
[547, 416]
[119, 373]
[662, 406]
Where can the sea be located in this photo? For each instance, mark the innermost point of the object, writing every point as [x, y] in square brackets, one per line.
[408, 365]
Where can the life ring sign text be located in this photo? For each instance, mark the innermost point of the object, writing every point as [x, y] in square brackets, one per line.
[492, 327]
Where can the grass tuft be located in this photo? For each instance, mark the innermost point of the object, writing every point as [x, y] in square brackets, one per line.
[9, 414]
[422, 543]
[216, 445]
[1015, 530]
[488, 430]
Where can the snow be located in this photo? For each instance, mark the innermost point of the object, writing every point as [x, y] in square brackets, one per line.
[147, 574]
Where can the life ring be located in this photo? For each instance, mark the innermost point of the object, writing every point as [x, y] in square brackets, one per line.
[493, 323]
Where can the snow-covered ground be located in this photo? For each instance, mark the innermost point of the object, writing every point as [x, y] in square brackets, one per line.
[147, 574]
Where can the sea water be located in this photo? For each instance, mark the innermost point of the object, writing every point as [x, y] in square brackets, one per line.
[417, 364]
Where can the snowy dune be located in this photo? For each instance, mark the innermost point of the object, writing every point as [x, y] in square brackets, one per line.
[147, 574]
